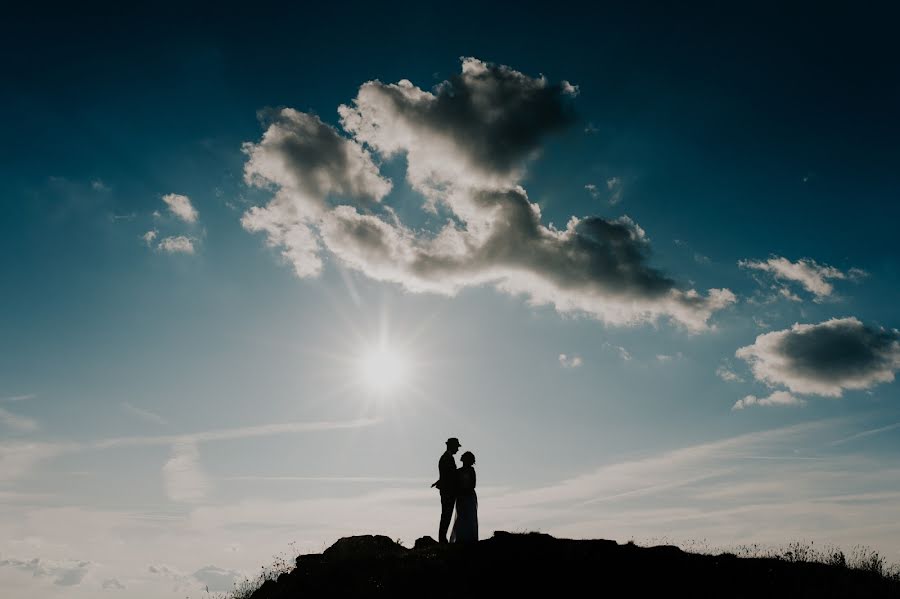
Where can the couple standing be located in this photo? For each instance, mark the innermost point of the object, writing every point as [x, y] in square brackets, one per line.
[457, 489]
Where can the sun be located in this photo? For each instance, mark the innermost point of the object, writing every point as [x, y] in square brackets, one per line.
[384, 370]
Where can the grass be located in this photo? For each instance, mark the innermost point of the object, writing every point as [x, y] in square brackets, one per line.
[860, 557]
[243, 589]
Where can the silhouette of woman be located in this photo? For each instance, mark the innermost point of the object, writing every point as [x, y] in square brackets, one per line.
[465, 528]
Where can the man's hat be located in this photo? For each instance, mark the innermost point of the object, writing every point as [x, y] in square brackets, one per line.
[453, 441]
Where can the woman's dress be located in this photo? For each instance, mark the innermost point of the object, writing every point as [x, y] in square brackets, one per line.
[465, 527]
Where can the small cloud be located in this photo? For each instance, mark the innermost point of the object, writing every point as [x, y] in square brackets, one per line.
[623, 353]
[99, 185]
[217, 580]
[567, 361]
[777, 398]
[614, 186]
[112, 584]
[150, 236]
[810, 275]
[591, 129]
[63, 573]
[727, 375]
[701, 259]
[592, 189]
[177, 245]
[179, 579]
[18, 423]
[569, 89]
[181, 206]
[669, 357]
[184, 480]
[825, 359]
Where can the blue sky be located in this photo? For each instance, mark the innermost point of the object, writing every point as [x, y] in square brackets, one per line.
[200, 253]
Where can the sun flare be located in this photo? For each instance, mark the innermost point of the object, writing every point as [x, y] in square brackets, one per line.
[384, 370]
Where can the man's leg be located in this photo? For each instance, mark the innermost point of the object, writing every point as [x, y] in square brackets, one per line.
[447, 503]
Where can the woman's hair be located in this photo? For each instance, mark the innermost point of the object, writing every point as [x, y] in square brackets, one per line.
[467, 458]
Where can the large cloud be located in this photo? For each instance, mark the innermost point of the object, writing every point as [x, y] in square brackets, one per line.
[593, 266]
[826, 358]
[476, 128]
[467, 143]
[305, 162]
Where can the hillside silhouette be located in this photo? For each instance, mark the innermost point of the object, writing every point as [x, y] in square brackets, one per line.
[535, 565]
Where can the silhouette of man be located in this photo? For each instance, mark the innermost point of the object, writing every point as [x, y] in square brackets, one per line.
[447, 484]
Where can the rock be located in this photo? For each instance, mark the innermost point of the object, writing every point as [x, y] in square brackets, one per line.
[425, 542]
[363, 547]
[308, 559]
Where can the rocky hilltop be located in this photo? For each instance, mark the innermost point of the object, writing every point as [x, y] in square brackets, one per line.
[538, 565]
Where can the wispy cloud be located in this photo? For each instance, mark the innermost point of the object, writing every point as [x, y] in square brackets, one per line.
[13, 398]
[667, 468]
[721, 490]
[867, 433]
[614, 186]
[765, 486]
[17, 422]
[17, 459]
[143, 414]
[328, 479]
[245, 432]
